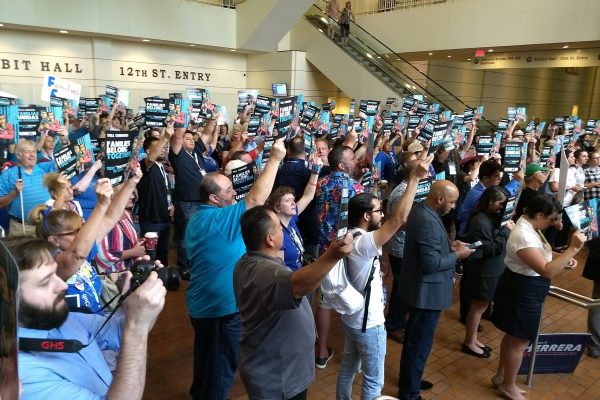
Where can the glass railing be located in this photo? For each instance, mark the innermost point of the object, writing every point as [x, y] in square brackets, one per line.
[398, 74]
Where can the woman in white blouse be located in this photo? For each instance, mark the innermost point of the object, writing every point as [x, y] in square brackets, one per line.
[524, 286]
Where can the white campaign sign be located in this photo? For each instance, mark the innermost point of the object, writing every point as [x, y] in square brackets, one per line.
[54, 86]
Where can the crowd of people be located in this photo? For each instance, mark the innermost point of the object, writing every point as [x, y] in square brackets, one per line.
[255, 264]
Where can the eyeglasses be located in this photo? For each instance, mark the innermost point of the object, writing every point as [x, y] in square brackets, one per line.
[75, 232]
[379, 210]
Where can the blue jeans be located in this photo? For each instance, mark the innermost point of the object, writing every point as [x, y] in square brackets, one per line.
[162, 247]
[184, 210]
[418, 339]
[215, 356]
[367, 350]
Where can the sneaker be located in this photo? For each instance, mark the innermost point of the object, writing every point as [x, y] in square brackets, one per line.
[322, 362]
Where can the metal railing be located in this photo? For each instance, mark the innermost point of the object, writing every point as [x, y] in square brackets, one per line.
[394, 66]
[221, 3]
[378, 6]
[566, 296]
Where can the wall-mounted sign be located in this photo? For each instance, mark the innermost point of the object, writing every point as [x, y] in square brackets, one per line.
[540, 59]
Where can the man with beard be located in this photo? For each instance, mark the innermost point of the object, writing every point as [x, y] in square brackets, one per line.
[365, 343]
[155, 203]
[45, 320]
[426, 281]
[25, 177]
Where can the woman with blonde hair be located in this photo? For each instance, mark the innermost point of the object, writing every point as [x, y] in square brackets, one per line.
[61, 191]
[75, 242]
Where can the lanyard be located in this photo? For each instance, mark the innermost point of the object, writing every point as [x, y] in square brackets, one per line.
[161, 168]
[194, 155]
[295, 239]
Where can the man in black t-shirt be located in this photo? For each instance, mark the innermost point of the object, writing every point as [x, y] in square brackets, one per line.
[155, 204]
[186, 159]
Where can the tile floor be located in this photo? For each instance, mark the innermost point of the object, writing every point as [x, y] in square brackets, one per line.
[454, 374]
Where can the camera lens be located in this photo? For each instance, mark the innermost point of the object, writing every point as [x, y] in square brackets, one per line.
[170, 278]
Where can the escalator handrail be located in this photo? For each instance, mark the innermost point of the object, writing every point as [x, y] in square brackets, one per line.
[427, 77]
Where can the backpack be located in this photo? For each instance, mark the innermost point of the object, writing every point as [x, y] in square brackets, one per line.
[341, 295]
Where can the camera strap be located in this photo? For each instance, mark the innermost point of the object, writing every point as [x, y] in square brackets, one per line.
[67, 345]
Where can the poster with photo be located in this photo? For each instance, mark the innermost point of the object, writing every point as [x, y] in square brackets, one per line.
[157, 111]
[409, 103]
[581, 216]
[265, 104]
[29, 122]
[423, 189]
[286, 115]
[509, 208]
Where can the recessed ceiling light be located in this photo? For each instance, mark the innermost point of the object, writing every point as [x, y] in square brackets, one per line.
[407, 85]
[397, 59]
[449, 56]
[468, 59]
[63, 31]
[378, 56]
[490, 50]
[429, 54]
[192, 45]
[369, 55]
[1, 24]
[566, 46]
[145, 40]
[232, 50]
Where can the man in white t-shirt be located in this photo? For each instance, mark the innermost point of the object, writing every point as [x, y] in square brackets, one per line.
[365, 333]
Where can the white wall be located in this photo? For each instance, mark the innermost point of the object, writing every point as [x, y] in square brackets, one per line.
[101, 62]
[460, 24]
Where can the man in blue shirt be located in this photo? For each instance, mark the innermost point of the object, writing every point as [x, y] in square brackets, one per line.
[44, 317]
[214, 241]
[26, 178]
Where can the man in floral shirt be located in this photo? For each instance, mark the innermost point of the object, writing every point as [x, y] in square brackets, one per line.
[329, 191]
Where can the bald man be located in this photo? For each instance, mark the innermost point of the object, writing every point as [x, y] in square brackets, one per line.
[426, 281]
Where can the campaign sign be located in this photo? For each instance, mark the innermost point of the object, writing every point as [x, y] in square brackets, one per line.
[371, 107]
[111, 92]
[243, 179]
[468, 116]
[352, 107]
[253, 124]
[342, 223]
[267, 150]
[84, 150]
[414, 121]
[264, 104]
[485, 145]
[118, 149]
[512, 156]
[286, 114]
[509, 209]
[581, 216]
[547, 152]
[423, 188]
[157, 111]
[427, 132]
[367, 180]
[66, 161]
[54, 86]
[29, 122]
[557, 353]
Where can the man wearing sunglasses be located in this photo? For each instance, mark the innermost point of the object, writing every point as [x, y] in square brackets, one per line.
[365, 334]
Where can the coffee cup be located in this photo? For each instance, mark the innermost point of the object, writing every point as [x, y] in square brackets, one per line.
[151, 240]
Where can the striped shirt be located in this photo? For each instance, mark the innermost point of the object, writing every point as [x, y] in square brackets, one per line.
[34, 193]
[592, 175]
[122, 237]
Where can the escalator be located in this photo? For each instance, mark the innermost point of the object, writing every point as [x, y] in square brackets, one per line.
[398, 76]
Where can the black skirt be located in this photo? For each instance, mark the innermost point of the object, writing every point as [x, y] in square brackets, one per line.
[518, 304]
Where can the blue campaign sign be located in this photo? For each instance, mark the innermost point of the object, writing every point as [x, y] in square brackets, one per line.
[557, 353]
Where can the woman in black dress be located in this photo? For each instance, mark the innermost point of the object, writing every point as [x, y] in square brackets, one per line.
[486, 264]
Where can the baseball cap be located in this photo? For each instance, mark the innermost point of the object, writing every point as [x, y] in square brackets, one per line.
[532, 168]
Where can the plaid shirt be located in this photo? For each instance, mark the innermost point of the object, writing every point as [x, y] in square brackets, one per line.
[592, 175]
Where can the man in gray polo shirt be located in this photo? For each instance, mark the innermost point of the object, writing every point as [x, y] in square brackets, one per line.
[278, 335]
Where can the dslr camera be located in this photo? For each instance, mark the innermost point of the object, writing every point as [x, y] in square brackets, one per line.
[141, 270]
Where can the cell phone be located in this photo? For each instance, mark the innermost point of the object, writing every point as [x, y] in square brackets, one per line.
[474, 245]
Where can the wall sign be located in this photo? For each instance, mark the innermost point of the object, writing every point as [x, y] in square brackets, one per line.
[540, 59]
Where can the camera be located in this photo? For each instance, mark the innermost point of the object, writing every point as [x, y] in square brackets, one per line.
[141, 270]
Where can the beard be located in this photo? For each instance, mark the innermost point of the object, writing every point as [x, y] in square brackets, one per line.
[373, 226]
[34, 317]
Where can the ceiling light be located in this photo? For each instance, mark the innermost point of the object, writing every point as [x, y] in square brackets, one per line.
[397, 59]
[449, 56]
[1, 24]
[63, 31]
[192, 45]
[407, 85]
[429, 54]
[468, 59]
[378, 56]
[324, 20]
[490, 50]
[145, 40]
[232, 50]
[369, 55]
[566, 46]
